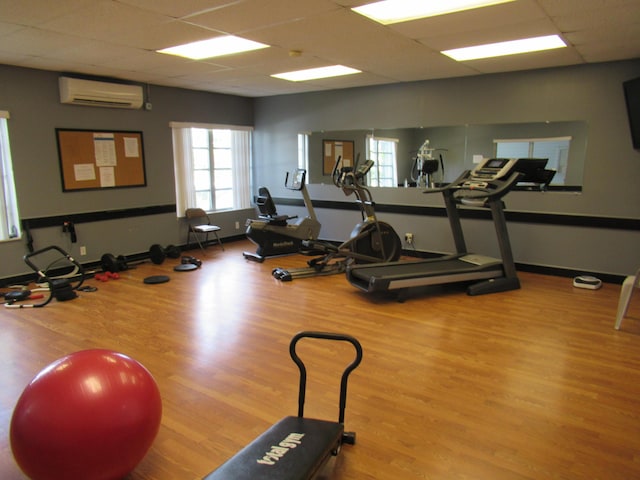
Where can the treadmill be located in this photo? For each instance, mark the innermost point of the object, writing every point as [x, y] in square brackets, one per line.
[483, 187]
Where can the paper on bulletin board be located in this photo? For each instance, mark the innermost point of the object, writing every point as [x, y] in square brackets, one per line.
[131, 147]
[83, 172]
[104, 145]
[338, 147]
[327, 149]
[107, 177]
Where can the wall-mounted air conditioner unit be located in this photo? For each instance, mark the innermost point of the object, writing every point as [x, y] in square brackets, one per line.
[99, 94]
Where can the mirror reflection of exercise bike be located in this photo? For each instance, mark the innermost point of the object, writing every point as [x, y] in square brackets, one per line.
[371, 241]
[277, 234]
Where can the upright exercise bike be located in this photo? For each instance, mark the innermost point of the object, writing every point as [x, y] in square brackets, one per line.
[281, 234]
[371, 241]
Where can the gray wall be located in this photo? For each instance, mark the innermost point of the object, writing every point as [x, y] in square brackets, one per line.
[591, 93]
[32, 99]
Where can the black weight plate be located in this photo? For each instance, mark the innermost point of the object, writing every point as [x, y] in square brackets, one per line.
[155, 279]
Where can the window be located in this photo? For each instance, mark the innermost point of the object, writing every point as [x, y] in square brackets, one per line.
[9, 218]
[555, 149]
[212, 166]
[383, 152]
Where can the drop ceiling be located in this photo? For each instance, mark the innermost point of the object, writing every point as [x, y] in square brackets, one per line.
[119, 38]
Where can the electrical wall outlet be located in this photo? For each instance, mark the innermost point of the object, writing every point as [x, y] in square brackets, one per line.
[408, 237]
[237, 225]
[83, 250]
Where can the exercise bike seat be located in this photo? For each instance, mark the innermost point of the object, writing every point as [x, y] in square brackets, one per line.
[280, 220]
[295, 448]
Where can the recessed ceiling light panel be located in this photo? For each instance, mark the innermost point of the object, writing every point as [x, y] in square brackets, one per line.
[214, 47]
[388, 12]
[500, 49]
[315, 73]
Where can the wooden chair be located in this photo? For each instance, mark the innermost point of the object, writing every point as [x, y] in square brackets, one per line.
[199, 223]
[631, 282]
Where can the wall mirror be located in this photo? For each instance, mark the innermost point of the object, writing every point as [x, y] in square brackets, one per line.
[435, 155]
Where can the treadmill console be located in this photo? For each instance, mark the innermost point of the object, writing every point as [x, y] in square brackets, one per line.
[488, 170]
[493, 168]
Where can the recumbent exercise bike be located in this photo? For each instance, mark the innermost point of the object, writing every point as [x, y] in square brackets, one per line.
[276, 234]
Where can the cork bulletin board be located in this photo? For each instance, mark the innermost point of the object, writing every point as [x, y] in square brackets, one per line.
[97, 159]
[334, 149]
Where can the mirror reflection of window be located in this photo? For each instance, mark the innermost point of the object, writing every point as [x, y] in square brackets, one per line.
[303, 152]
[383, 151]
[555, 149]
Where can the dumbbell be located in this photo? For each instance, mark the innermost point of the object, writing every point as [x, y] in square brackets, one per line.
[104, 277]
[111, 263]
[157, 254]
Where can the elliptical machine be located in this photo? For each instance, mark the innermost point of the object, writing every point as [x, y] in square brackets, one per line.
[275, 234]
[371, 241]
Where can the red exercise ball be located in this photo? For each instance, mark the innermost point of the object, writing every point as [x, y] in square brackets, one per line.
[91, 415]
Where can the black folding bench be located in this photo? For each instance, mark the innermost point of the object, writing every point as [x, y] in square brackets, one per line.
[295, 448]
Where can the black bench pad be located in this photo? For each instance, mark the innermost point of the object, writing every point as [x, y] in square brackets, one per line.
[295, 448]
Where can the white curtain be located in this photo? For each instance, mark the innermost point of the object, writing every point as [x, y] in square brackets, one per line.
[183, 166]
[241, 156]
[9, 218]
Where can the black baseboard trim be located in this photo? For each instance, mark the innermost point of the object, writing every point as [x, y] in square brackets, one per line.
[58, 220]
[569, 273]
[589, 221]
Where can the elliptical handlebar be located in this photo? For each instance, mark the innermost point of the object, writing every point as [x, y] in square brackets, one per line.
[349, 180]
[350, 177]
[338, 172]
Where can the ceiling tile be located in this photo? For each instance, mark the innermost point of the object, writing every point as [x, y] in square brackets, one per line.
[36, 12]
[105, 20]
[235, 18]
[37, 42]
[555, 8]
[178, 9]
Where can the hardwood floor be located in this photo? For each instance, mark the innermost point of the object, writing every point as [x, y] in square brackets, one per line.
[529, 384]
